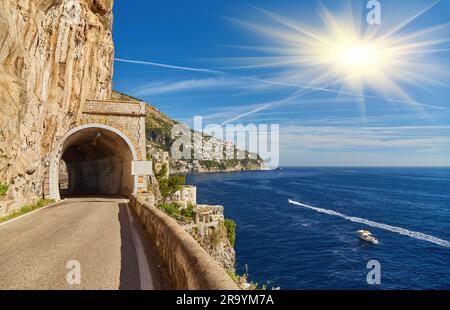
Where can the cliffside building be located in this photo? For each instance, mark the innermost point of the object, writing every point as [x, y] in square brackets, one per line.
[186, 196]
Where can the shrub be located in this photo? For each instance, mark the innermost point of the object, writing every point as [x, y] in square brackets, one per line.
[176, 182]
[169, 186]
[188, 212]
[162, 173]
[230, 225]
[169, 208]
[3, 189]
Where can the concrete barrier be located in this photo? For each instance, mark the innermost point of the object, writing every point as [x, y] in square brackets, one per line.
[189, 265]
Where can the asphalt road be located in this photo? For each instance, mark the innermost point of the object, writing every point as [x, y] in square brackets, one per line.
[40, 250]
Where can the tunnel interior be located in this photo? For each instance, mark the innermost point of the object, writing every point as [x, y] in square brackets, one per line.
[95, 161]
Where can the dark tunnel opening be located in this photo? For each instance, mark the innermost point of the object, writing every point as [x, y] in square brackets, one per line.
[95, 162]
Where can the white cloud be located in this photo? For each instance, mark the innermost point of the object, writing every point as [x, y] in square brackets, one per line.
[344, 138]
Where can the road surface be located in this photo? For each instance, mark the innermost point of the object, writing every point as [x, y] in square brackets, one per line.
[40, 250]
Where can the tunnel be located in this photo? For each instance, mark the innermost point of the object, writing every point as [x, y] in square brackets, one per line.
[95, 162]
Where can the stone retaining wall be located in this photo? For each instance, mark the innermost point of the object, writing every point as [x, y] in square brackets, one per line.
[189, 266]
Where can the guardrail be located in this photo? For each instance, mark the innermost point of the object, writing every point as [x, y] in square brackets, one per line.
[189, 265]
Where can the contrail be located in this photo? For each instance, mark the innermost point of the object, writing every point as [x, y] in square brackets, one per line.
[155, 64]
[395, 229]
[255, 110]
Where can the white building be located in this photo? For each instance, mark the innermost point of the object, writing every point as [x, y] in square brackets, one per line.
[186, 196]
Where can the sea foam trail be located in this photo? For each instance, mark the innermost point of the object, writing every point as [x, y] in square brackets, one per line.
[395, 229]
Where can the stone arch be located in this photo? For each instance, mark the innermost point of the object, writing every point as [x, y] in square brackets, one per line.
[65, 143]
[104, 122]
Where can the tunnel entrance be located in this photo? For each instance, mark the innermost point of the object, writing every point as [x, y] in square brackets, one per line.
[95, 161]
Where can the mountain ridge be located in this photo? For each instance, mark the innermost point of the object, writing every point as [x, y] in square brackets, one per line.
[158, 128]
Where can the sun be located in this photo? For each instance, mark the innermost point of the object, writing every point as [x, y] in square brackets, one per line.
[356, 59]
[351, 56]
[356, 56]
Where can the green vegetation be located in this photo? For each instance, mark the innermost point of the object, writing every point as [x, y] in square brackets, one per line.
[169, 208]
[3, 189]
[172, 184]
[225, 164]
[159, 138]
[172, 209]
[214, 165]
[230, 225]
[169, 186]
[242, 280]
[188, 212]
[162, 173]
[27, 209]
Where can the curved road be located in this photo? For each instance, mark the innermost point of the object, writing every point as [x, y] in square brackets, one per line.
[101, 234]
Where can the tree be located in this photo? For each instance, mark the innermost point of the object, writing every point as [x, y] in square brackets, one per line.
[172, 184]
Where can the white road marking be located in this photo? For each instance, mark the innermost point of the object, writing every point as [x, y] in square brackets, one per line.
[144, 271]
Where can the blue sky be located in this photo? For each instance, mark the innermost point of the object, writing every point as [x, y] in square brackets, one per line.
[258, 60]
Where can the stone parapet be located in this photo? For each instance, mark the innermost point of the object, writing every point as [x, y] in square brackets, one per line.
[189, 265]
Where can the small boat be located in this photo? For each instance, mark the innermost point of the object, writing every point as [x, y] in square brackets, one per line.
[367, 236]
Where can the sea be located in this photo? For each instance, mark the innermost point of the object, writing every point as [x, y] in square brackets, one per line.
[297, 227]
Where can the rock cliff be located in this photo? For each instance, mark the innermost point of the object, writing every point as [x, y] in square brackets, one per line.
[54, 54]
[216, 244]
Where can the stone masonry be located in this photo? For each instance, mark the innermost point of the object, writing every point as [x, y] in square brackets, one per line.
[127, 117]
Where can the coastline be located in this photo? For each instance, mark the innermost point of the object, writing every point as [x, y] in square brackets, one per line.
[223, 171]
[266, 221]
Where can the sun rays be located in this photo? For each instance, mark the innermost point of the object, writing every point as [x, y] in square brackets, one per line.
[342, 53]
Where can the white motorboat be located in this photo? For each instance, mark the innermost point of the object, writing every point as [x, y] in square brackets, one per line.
[367, 236]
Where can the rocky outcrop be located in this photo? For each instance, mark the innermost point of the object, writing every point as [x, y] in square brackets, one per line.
[54, 54]
[214, 240]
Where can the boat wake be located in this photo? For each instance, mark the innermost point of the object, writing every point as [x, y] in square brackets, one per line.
[395, 229]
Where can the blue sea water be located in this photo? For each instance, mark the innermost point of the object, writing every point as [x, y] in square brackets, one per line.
[311, 247]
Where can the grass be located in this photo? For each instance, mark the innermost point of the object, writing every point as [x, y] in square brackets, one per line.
[3, 189]
[27, 209]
